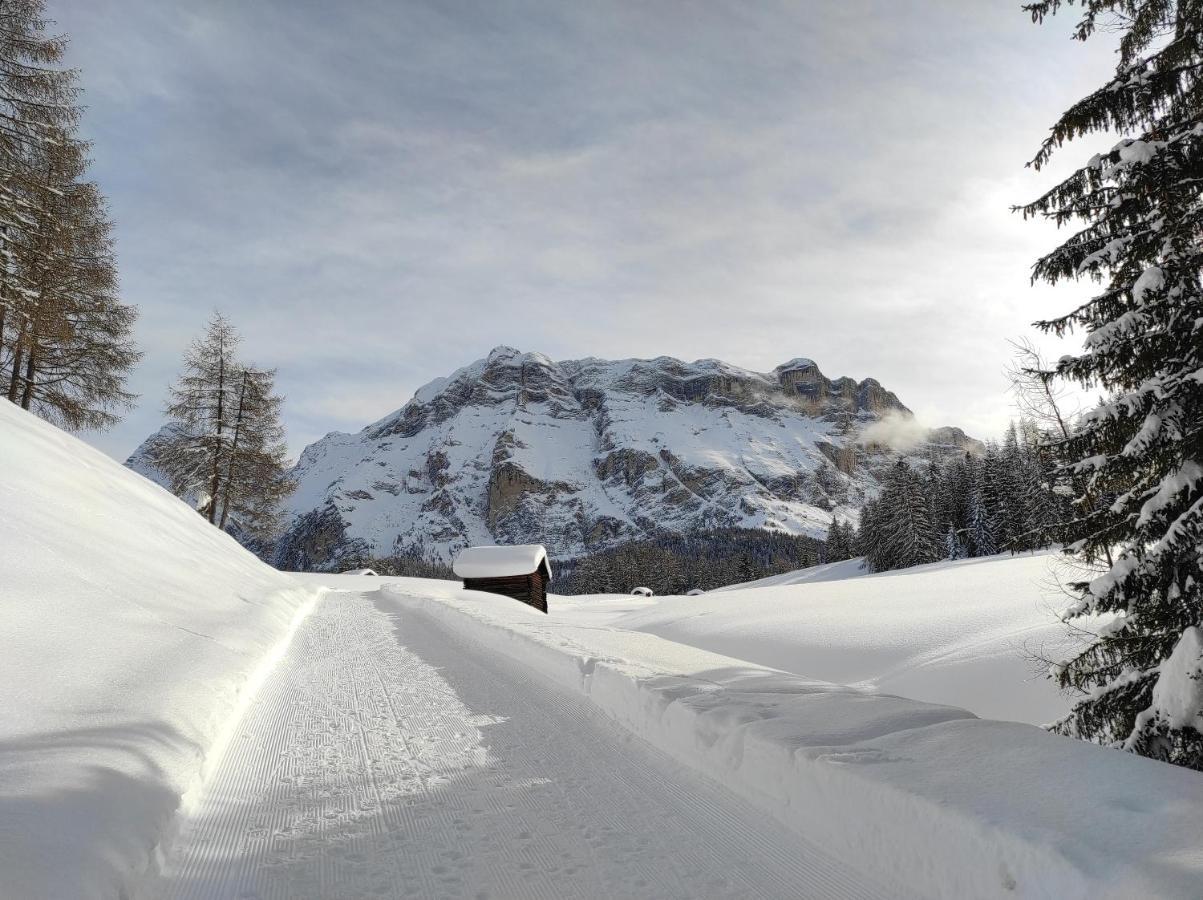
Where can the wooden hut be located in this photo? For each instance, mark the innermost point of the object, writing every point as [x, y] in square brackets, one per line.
[521, 571]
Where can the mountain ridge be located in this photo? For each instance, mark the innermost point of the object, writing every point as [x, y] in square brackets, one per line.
[582, 454]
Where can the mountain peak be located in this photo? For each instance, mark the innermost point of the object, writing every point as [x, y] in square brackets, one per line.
[583, 454]
[798, 362]
[501, 352]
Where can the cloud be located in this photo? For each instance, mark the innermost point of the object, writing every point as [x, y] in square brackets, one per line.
[895, 430]
[379, 192]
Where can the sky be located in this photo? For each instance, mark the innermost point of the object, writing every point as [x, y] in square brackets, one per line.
[377, 192]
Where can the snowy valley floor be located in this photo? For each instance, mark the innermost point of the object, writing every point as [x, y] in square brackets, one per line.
[389, 756]
[184, 721]
[964, 633]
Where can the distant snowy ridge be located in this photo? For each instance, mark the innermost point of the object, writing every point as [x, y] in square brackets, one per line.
[938, 802]
[134, 633]
[584, 454]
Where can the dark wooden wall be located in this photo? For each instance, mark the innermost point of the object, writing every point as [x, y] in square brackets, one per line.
[530, 589]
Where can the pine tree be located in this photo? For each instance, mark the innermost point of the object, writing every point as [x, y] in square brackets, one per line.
[838, 545]
[1139, 455]
[224, 449]
[982, 529]
[911, 537]
[954, 547]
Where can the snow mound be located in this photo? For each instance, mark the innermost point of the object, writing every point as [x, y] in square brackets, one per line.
[968, 633]
[930, 797]
[131, 635]
[500, 562]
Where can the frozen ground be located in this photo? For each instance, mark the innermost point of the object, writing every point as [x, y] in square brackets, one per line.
[388, 756]
[965, 633]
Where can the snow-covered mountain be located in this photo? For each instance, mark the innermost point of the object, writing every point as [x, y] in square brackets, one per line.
[582, 454]
[140, 460]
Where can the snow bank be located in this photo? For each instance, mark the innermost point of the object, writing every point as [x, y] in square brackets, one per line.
[940, 802]
[131, 634]
[962, 633]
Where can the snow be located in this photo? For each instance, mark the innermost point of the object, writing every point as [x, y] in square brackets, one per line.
[927, 798]
[418, 763]
[1178, 694]
[133, 635]
[360, 572]
[187, 722]
[1151, 279]
[961, 632]
[501, 562]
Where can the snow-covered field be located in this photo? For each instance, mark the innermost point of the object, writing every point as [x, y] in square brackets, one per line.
[928, 797]
[181, 721]
[130, 632]
[964, 633]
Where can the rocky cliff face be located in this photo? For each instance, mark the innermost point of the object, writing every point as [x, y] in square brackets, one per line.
[582, 454]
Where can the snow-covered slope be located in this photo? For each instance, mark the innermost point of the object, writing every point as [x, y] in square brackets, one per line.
[581, 454]
[130, 634]
[962, 633]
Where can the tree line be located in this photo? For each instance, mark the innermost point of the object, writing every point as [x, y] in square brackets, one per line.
[677, 563]
[1008, 499]
[66, 343]
[66, 336]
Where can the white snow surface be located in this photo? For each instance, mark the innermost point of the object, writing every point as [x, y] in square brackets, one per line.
[965, 632]
[389, 756]
[131, 635]
[1178, 694]
[928, 797]
[500, 562]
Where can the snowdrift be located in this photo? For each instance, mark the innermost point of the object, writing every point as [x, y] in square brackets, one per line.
[963, 633]
[131, 634]
[935, 800]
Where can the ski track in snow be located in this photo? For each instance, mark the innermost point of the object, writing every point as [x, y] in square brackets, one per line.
[386, 757]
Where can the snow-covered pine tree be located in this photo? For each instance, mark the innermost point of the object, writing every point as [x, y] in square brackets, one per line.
[838, 545]
[870, 541]
[907, 535]
[982, 530]
[954, 547]
[1140, 214]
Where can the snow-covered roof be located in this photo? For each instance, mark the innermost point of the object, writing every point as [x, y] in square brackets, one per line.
[501, 562]
[643, 592]
[359, 572]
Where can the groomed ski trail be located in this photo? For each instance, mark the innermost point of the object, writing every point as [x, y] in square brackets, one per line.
[387, 757]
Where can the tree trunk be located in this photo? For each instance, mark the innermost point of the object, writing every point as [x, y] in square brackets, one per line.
[30, 372]
[215, 480]
[225, 501]
[18, 358]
